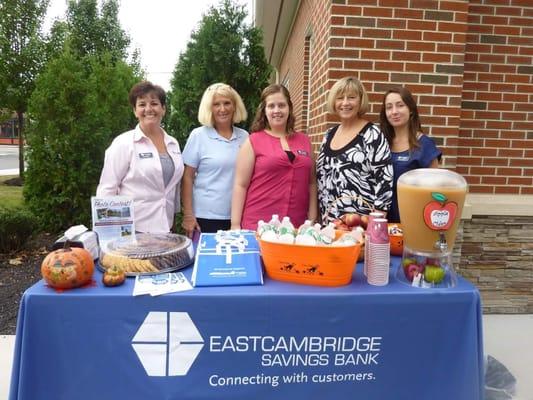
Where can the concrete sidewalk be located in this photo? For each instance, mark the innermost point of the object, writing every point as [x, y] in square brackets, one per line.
[7, 345]
[507, 338]
[6, 172]
[9, 159]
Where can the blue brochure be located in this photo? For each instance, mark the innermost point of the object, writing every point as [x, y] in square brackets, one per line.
[227, 258]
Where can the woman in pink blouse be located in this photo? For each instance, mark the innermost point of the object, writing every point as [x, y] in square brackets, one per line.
[275, 171]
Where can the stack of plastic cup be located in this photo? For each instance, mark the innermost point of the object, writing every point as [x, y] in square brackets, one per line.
[378, 253]
[371, 217]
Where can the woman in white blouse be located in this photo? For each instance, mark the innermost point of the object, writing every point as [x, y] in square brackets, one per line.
[145, 163]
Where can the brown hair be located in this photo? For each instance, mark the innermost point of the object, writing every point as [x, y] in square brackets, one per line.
[143, 88]
[414, 118]
[260, 121]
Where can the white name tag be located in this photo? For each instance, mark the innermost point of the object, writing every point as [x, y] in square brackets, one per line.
[145, 155]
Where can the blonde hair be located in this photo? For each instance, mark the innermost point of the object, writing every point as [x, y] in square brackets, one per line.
[205, 114]
[348, 85]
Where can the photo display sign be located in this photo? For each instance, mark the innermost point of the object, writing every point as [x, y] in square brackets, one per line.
[113, 218]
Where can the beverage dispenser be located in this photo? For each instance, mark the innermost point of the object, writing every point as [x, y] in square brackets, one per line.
[430, 201]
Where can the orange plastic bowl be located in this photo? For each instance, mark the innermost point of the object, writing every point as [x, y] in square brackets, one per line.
[310, 265]
[396, 239]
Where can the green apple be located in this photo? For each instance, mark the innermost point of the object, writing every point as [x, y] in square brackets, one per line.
[434, 274]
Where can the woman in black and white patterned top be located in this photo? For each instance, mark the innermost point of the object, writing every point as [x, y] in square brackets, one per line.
[354, 159]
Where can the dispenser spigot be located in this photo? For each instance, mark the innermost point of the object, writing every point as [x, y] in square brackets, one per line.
[441, 244]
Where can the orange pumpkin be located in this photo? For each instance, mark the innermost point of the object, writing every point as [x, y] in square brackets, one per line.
[396, 239]
[68, 268]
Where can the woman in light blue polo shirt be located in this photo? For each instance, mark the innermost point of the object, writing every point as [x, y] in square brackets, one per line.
[209, 157]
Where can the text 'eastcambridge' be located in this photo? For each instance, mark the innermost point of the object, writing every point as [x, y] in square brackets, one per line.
[303, 351]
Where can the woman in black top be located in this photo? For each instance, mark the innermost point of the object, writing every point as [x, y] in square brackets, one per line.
[354, 170]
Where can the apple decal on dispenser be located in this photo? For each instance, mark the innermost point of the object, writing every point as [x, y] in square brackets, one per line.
[440, 214]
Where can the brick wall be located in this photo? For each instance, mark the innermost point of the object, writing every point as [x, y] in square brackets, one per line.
[469, 65]
[495, 149]
[311, 32]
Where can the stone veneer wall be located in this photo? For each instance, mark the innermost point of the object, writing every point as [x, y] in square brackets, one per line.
[496, 254]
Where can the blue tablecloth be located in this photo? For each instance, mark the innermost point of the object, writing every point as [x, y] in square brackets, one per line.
[277, 341]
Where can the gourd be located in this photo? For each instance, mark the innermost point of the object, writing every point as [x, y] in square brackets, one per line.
[114, 276]
[396, 239]
[67, 268]
[396, 245]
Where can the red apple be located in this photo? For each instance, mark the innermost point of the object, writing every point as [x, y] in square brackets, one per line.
[433, 261]
[340, 225]
[422, 268]
[364, 221]
[352, 219]
[411, 271]
[408, 261]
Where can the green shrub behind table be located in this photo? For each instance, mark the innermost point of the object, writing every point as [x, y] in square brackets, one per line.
[77, 108]
[16, 227]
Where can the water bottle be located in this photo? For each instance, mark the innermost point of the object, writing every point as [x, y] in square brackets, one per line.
[307, 234]
[286, 231]
[262, 226]
[266, 231]
[305, 226]
[275, 223]
[327, 235]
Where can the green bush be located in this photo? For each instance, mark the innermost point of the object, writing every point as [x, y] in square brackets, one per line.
[16, 227]
[77, 108]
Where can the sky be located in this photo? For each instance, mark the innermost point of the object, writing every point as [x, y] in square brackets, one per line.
[161, 29]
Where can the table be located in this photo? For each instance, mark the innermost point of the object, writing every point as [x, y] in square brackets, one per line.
[277, 341]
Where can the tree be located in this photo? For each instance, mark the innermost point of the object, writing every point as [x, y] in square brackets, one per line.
[80, 103]
[21, 57]
[223, 49]
[95, 33]
[78, 106]
[56, 40]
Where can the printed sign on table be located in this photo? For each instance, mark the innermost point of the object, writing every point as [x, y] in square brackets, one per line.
[113, 218]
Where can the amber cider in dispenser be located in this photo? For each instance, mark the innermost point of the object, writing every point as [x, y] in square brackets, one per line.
[431, 202]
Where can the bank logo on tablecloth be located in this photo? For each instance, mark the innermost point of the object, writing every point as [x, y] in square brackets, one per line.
[167, 343]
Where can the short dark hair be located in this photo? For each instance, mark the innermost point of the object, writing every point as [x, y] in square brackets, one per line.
[143, 88]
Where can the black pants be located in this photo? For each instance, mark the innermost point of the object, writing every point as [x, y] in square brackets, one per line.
[213, 225]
